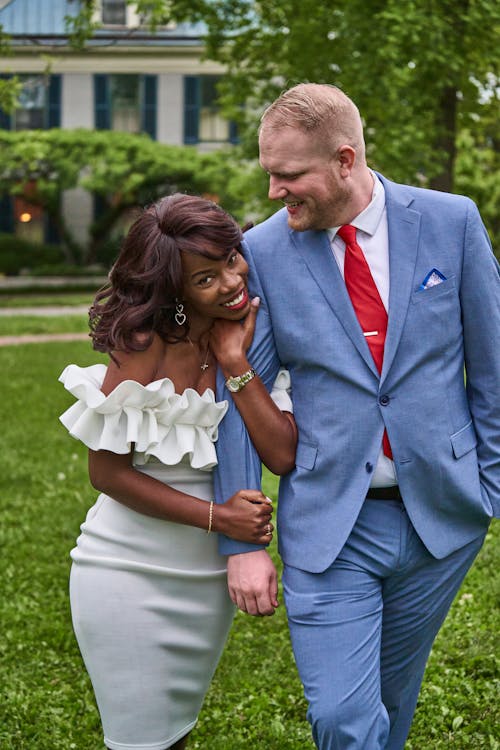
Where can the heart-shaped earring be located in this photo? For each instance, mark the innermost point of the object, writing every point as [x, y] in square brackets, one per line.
[180, 315]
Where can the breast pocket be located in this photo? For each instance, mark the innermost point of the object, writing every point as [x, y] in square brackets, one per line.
[435, 319]
[422, 296]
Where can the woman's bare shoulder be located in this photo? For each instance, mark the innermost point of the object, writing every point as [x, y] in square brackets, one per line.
[141, 366]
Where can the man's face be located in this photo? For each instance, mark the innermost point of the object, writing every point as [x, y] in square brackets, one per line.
[305, 175]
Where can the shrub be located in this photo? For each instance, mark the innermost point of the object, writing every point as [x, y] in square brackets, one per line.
[17, 254]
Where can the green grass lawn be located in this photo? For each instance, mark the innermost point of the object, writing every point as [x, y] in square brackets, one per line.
[18, 325]
[256, 699]
[48, 299]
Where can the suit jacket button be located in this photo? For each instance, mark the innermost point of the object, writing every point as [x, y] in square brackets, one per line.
[384, 400]
[369, 467]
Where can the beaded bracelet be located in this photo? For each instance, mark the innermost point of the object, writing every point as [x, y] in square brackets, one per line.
[210, 516]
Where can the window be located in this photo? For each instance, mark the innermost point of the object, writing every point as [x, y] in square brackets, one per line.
[39, 104]
[32, 105]
[114, 12]
[25, 220]
[39, 108]
[202, 119]
[126, 102]
[211, 125]
[29, 220]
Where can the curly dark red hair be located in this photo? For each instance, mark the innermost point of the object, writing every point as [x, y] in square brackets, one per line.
[146, 281]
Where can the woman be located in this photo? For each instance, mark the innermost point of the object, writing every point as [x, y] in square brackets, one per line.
[148, 589]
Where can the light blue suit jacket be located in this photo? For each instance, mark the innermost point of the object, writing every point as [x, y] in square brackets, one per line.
[445, 434]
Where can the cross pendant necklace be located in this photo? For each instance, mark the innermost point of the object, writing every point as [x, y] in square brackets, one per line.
[204, 365]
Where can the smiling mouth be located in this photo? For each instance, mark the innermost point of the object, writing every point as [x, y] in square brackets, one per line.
[292, 204]
[236, 300]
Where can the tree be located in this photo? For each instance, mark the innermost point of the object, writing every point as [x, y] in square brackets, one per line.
[126, 170]
[419, 70]
[38, 167]
[424, 73]
[478, 170]
[123, 170]
[10, 88]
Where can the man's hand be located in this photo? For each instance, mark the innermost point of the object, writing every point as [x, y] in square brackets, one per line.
[253, 582]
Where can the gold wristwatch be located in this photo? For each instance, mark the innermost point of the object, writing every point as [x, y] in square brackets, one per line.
[235, 383]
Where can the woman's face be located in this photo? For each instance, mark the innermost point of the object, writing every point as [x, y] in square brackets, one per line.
[215, 288]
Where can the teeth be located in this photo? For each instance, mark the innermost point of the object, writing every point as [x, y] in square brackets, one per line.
[293, 205]
[235, 301]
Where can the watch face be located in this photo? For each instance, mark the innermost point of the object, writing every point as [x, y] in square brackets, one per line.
[233, 384]
[236, 382]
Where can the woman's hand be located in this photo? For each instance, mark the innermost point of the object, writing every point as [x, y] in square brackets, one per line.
[229, 341]
[245, 517]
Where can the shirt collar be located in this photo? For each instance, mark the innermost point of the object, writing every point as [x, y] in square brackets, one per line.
[369, 219]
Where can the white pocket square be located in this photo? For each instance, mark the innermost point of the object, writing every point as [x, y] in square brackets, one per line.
[433, 278]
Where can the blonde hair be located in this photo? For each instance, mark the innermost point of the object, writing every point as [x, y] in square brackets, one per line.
[321, 109]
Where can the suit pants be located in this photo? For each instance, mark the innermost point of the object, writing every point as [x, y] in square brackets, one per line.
[362, 630]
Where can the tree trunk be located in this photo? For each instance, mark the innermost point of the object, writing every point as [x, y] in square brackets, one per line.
[445, 143]
[101, 229]
[72, 251]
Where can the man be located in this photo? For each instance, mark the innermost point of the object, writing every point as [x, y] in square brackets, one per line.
[398, 463]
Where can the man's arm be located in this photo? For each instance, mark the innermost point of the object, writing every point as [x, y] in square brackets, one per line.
[252, 577]
[480, 297]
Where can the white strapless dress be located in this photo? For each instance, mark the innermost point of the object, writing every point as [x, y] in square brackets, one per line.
[149, 599]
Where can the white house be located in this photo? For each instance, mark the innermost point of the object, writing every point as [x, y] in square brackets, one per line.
[127, 78]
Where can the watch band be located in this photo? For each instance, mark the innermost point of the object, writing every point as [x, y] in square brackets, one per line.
[235, 383]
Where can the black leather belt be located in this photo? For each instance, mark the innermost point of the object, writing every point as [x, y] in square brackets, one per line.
[384, 493]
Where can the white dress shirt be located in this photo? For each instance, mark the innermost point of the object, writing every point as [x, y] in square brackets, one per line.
[373, 238]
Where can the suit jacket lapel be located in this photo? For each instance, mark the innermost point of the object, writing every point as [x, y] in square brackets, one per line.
[317, 254]
[404, 229]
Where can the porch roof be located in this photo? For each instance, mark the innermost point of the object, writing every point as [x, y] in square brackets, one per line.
[43, 23]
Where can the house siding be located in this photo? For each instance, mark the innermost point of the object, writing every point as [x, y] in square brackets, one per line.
[76, 95]
[170, 108]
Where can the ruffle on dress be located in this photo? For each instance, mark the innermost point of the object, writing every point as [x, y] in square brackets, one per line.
[159, 422]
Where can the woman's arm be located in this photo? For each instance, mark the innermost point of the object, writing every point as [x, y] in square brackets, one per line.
[273, 432]
[246, 516]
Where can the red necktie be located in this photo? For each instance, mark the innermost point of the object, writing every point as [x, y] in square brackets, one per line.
[366, 301]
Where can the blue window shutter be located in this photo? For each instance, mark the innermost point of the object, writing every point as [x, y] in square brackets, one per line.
[102, 113]
[54, 102]
[233, 132]
[6, 214]
[5, 119]
[50, 232]
[149, 105]
[99, 206]
[191, 108]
